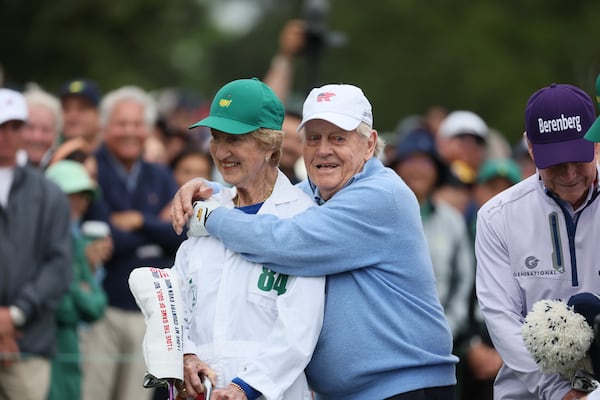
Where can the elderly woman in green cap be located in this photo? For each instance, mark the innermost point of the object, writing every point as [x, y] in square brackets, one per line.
[85, 300]
[250, 329]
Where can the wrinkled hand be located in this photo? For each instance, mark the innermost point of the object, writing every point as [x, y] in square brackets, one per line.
[130, 220]
[9, 349]
[99, 251]
[202, 210]
[181, 206]
[193, 371]
[574, 394]
[228, 393]
[484, 361]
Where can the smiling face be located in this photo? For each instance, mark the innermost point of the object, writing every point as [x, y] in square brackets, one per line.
[571, 180]
[333, 155]
[240, 159]
[80, 118]
[39, 133]
[126, 131]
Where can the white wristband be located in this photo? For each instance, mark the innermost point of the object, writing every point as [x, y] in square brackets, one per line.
[17, 315]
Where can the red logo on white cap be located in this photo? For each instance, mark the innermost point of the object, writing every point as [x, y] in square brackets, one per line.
[325, 96]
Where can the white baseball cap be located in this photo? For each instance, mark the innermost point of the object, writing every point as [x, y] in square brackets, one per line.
[343, 105]
[463, 122]
[12, 106]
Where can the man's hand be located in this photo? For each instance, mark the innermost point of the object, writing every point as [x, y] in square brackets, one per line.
[9, 349]
[193, 370]
[574, 394]
[181, 206]
[292, 38]
[484, 361]
[127, 220]
[202, 210]
[99, 251]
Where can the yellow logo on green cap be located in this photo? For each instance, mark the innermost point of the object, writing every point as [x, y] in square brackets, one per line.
[224, 103]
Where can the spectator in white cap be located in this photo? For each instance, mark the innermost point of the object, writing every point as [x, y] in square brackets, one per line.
[384, 331]
[35, 249]
[462, 138]
[462, 143]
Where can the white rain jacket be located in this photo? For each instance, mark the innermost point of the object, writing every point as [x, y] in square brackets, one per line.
[245, 320]
[529, 248]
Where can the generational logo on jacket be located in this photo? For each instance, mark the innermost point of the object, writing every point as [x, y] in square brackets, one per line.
[531, 264]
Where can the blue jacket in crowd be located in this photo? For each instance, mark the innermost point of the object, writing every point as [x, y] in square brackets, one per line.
[148, 188]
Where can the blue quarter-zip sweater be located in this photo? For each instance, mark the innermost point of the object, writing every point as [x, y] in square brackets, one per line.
[384, 331]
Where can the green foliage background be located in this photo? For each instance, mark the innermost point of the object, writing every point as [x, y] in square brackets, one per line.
[488, 56]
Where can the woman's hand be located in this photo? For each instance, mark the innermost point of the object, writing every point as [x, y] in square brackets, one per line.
[193, 371]
[229, 393]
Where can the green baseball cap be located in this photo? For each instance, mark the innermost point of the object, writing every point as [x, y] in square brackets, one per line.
[242, 106]
[593, 134]
[72, 177]
[499, 168]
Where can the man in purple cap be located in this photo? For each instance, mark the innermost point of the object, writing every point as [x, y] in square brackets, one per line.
[537, 240]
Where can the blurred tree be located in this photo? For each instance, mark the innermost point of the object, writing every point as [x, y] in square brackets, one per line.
[487, 56]
[144, 42]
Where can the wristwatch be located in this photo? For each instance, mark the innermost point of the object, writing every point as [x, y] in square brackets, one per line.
[17, 315]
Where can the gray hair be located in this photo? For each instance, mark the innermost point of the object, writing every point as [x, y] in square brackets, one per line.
[132, 93]
[365, 130]
[38, 97]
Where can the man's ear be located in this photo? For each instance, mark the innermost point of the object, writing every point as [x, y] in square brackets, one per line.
[529, 147]
[372, 144]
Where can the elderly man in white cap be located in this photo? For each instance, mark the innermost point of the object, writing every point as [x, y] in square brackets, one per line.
[35, 249]
[384, 332]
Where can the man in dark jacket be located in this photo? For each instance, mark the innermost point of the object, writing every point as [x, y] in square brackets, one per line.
[35, 261]
[135, 195]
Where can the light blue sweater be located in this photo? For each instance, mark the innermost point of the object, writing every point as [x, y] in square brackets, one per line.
[384, 331]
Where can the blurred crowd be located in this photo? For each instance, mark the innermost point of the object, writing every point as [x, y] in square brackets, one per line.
[119, 157]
